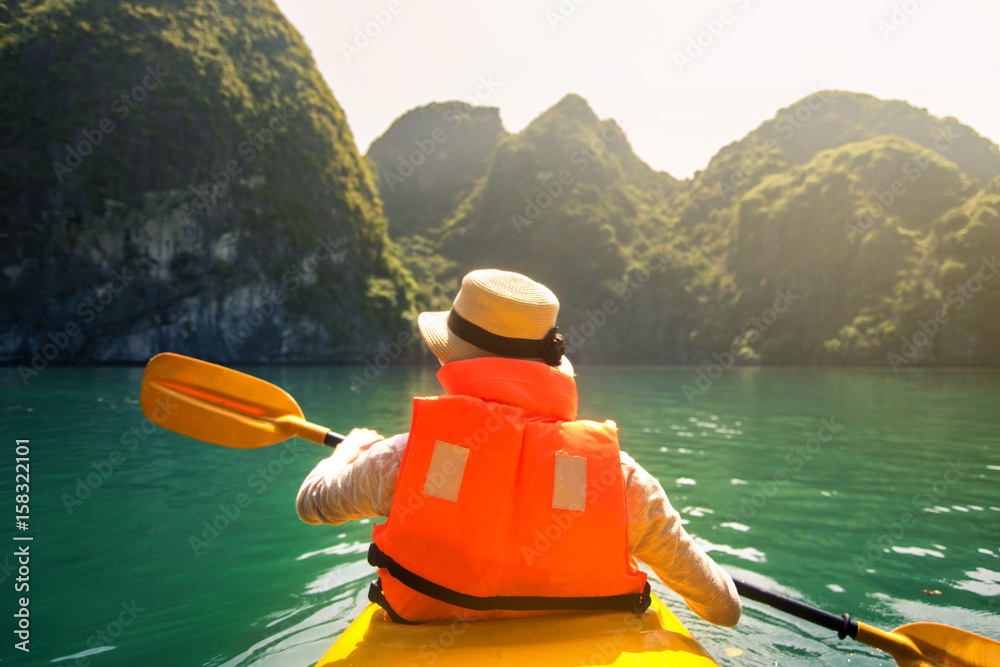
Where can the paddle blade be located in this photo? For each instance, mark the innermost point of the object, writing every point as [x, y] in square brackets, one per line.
[217, 404]
[952, 646]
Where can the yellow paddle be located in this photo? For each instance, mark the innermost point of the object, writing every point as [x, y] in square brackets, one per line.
[222, 406]
[912, 645]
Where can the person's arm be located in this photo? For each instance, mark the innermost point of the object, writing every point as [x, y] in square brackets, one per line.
[657, 538]
[354, 482]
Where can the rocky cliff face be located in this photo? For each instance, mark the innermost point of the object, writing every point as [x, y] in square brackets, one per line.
[177, 176]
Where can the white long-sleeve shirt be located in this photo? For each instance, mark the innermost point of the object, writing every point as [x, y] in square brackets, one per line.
[334, 493]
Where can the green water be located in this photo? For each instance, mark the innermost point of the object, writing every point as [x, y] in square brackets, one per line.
[116, 577]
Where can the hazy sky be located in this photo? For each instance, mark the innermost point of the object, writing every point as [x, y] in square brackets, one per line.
[682, 78]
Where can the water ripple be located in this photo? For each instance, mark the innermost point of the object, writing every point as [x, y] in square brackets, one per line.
[341, 549]
[917, 551]
[746, 553]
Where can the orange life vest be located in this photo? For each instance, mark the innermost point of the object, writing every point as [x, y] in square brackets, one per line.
[505, 506]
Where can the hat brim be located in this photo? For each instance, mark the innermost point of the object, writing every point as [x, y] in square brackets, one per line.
[448, 347]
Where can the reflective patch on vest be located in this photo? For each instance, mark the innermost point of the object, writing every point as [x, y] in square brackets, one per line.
[569, 486]
[444, 475]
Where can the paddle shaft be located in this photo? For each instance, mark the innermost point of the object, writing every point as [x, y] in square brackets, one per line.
[332, 439]
[842, 625]
[900, 647]
[300, 428]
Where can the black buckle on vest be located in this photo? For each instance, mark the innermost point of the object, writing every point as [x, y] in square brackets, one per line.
[645, 599]
[377, 596]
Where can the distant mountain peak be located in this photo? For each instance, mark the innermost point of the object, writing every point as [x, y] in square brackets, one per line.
[571, 100]
[571, 106]
[830, 118]
[430, 158]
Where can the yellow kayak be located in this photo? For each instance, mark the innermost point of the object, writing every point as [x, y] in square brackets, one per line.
[606, 638]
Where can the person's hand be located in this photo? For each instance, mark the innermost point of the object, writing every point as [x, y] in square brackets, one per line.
[357, 441]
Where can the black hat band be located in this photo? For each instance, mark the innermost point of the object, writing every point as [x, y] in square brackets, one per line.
[550, 348]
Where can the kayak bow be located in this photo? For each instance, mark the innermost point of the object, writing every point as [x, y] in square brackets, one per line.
[607, 638]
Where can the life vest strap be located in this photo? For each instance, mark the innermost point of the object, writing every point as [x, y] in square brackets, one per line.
[634, 602]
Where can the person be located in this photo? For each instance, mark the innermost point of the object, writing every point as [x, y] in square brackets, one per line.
[499, 502]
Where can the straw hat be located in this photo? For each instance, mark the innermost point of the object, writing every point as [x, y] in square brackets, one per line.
[497, 314]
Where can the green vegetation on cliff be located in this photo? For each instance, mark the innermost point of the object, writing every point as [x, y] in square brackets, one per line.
[827, 235]
[430, 160]
[945, 306]
[195, 145]
[564, 201]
